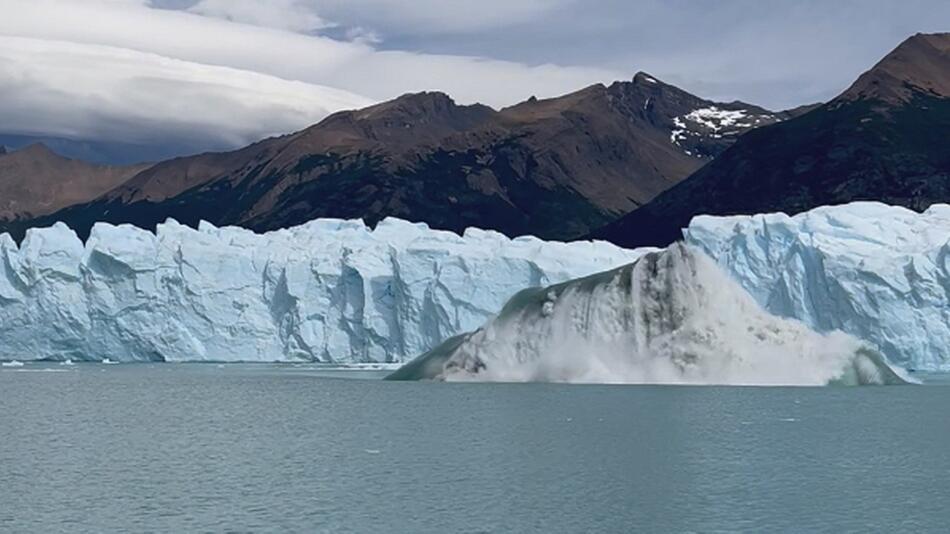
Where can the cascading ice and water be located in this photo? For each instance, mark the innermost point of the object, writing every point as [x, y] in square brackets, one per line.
[672, 317]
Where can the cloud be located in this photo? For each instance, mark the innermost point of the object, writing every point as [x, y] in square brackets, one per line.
[292, 15]
[777, 54]
[357, 66]
[105, 93]
[220, 67]
[436, 16]
[493, 51]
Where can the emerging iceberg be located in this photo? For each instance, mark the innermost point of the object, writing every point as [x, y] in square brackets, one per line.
[329, 290]
[878, 272]
[672, 317]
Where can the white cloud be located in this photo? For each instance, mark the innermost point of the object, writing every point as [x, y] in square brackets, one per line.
[436, 16]
[293, 15]
[171, 56]
[106, 93]
[354, 66]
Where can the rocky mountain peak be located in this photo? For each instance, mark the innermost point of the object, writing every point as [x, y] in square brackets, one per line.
[918, 66]
[36, 151]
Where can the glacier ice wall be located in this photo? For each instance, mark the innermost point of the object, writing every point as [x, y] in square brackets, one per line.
[672, 317]
[329, 290]
[878, 272]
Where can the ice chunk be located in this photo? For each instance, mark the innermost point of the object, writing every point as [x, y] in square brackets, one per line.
[672, 317]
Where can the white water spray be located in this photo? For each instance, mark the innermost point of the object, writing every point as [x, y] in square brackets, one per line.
[673, 317]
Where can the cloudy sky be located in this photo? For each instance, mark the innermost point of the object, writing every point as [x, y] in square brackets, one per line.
[227, 72]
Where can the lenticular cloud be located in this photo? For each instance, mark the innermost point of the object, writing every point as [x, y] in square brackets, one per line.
[107, 93]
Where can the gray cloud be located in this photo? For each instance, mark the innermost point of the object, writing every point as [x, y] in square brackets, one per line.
[240, 69]
[779, 53]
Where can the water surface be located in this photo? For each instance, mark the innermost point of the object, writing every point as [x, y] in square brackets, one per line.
[276, 448]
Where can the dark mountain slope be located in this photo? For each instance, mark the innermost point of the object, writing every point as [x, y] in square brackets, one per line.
[886, 138]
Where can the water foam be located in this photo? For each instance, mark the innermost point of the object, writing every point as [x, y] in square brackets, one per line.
[672, 317]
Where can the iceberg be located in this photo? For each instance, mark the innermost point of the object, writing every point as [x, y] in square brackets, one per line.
[878, 272]
[327, 291]
[672, 317]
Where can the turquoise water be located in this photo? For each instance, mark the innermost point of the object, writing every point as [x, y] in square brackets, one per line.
[295, 448]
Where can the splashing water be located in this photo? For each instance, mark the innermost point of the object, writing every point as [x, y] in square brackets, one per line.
[672, 317]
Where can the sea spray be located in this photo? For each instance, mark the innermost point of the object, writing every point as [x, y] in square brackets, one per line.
[672, 317]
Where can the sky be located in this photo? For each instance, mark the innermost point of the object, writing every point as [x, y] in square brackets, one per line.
[228, 72]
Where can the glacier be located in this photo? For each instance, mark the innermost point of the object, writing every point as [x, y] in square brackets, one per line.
[337, 291]
[327, 291]
[878, 272]
[672, 317]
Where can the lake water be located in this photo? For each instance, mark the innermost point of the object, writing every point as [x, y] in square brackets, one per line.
[296, 448]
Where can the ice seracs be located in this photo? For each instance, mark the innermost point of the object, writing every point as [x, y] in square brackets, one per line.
[328, 291]
[672, 317]
[337, 291]
[878, 272]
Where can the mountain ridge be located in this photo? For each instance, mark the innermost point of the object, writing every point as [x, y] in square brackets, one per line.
[882, 139]
[557, 168]
[48, 182]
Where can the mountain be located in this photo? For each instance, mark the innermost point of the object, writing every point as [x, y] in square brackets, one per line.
[885, 139]
[557, 168]
[107, 152]
[36, 181]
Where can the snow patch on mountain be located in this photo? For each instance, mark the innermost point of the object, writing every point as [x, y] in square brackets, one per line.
[714, 122]
[716, 119]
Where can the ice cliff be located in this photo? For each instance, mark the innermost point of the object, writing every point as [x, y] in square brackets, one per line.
[337, 291]
[329, 290]
[878, 272]
[672, 317]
